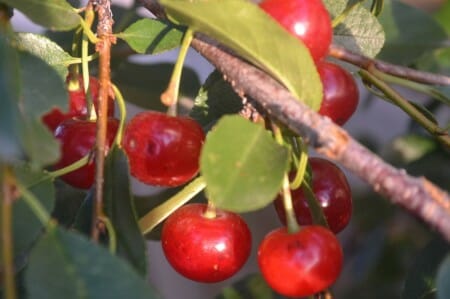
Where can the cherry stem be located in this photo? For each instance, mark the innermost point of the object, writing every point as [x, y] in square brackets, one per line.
[74, 166]
[112, 244]
[211, 211]
[89, 19]
[88, 32]
[74, 68]
[291, 220]
[123, 114]
[150, 220]
[316, 210]
[7, 198]
[170, 96]
[373, 76]
[302, 164]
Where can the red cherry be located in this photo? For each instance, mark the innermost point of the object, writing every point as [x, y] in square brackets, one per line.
[77, 104]
[340, 93]
[205, 249]
[300, 264]
[77, 139]
[331, 189]
[163, 150]
[308, 20]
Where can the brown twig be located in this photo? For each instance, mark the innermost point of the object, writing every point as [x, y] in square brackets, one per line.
[392, 69]
[103, 47]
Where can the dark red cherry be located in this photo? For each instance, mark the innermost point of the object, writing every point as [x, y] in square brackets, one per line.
[205, 249]
[300, 264]
[331, 189]
[77, 104]
[340, 92]
[163, 150]
[77, 138]
[308, 20]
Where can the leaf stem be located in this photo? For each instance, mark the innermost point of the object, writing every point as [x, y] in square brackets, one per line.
[89, 19]
[291, 220]
[315, 209]
[150, 220]
[74, 166]
[111, 234]
[6, 197]
[402, 103]
[87, 30]
[35, 205]
[170, 96]
[123, 114]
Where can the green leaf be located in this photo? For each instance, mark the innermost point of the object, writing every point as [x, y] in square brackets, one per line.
[360, 32]
[142, 85]
[443, 278]
[11, 147]
[243, 172]
[257, 37]
[152, 36]
[64, 264]
[45, 49]
[215, 99]
[420, 280]
[410, 33]
[53, 14]
[26, 226]
[119, 208]
[68, 203]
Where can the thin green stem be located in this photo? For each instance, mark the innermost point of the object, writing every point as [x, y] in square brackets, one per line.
[291, 220]
[170, 96]
[123, 114]
[316, 210]
[302, 164]
[377, 7]
[76, 60]
[74, 166]
[34, 204]
[111, 234]
[89, 19]
[7, 246]
[87, 30]
[74, 68]
[150, 220]
[406, 106]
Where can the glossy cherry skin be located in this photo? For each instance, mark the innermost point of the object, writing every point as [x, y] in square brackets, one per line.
[300, 264]
[163, 150]
[77, 104]
[340, 92]
[308, 20]
[205, 249]
[77, 138]
[331, 189]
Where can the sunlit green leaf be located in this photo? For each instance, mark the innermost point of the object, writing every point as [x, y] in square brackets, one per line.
[45, 49]
[151, 36]
[53, 14]
[119, 208]
[64, 264]
[253, 34]
[243, 172]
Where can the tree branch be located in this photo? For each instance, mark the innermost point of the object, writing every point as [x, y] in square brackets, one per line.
[103, 47]
[392, 69]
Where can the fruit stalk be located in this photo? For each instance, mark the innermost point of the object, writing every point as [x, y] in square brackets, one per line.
[103, 47]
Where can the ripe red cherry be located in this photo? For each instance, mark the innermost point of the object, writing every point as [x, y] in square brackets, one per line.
[308, 20]
[340, 93]
[77, 104]
[77, 139]
[331, 189]
[163, 150]
[300, 264]
[205, 249]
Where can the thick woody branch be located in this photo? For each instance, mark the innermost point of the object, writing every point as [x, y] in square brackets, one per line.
[417, 195]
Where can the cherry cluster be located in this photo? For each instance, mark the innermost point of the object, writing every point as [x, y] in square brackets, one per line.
[201, 242]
